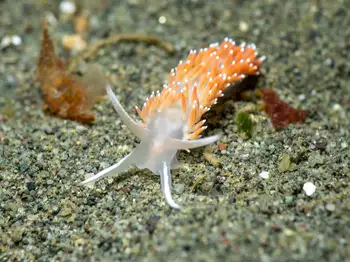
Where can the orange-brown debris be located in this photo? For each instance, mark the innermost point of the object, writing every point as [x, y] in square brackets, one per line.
[65, 95]
[280, 112]
[81, 23]
[74, 42]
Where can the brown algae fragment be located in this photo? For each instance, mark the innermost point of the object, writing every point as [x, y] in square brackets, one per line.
[65, 95]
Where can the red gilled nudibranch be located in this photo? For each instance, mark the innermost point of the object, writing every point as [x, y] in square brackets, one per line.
[171, 119]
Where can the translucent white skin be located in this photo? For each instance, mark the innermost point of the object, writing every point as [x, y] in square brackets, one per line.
[160, 142]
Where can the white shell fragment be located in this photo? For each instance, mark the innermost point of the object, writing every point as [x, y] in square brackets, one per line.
[5, 42]
[10, 40]
[16, 40]
[67, 7]
[264, 174]
[309, 188]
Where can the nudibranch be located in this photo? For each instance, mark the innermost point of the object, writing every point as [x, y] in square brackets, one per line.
[171, 119]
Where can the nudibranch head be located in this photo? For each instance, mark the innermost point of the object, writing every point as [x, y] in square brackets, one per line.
[171, 119]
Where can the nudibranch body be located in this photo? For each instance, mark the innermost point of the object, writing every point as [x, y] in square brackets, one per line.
[171, 119]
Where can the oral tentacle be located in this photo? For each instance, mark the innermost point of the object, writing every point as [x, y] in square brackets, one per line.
[134, 127]
[190, 144]
[124, 164]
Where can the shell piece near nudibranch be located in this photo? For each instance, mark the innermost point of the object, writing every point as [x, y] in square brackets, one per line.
[171, 119]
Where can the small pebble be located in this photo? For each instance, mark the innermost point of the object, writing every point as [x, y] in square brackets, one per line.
[264, 174]
[30, 186]
[337, 107]
[179, 188]
[74, 42]
[162, 20]
[68, 7]
[16, 40]
[11, 81]
[330, 207]
[344, 145]
[51, 18]
[5, 41]
[285, 163]
[66, 211]
[301, 97]
[309, 188]
[243, 26]
[10, 40]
